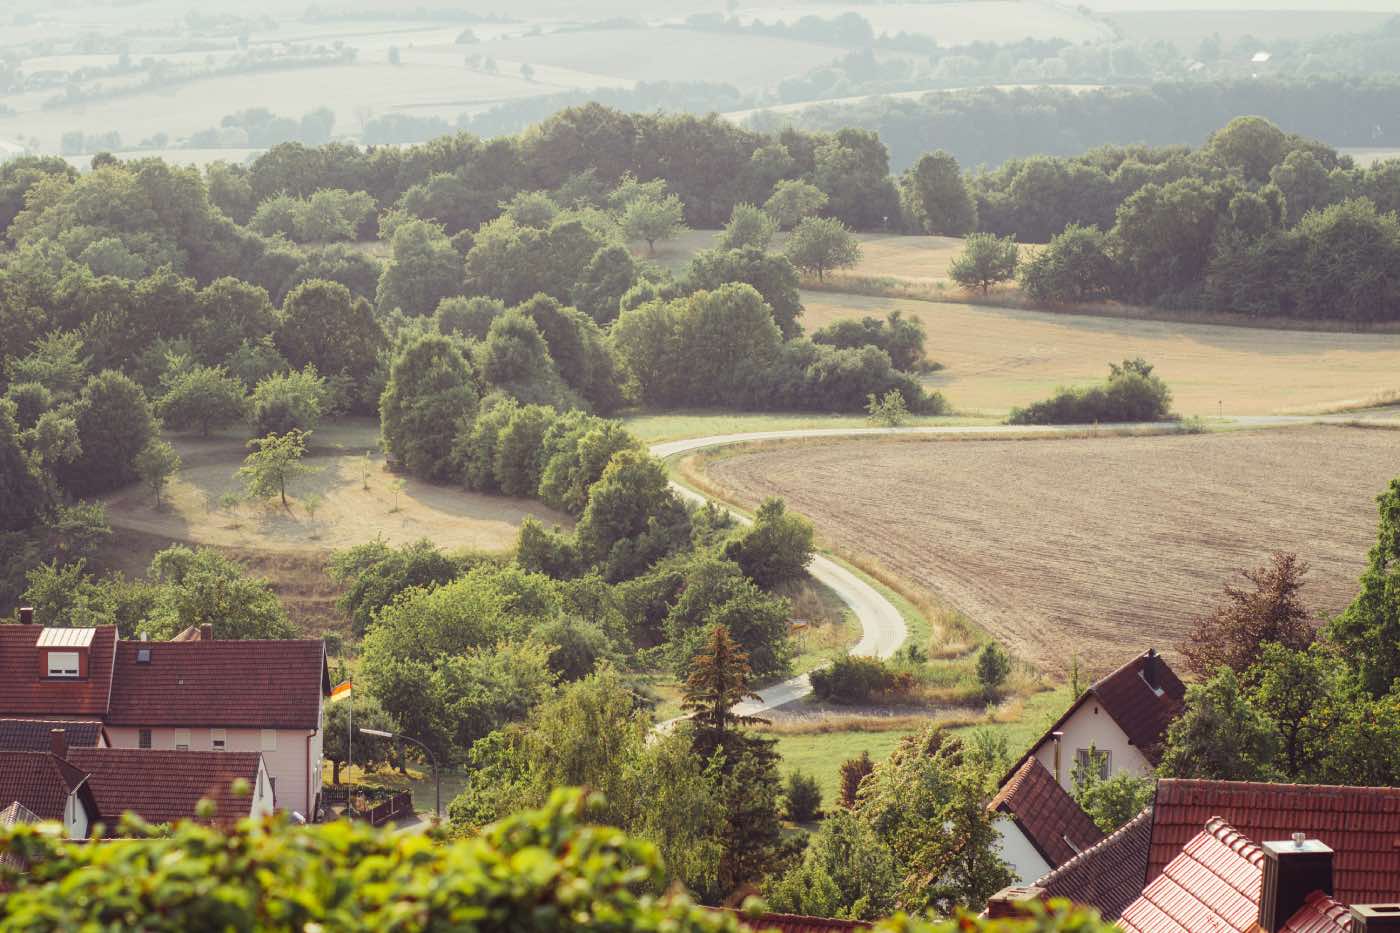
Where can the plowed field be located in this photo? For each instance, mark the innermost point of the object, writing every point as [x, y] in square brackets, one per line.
[1096, 547]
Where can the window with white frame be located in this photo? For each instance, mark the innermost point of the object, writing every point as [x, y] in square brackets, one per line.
[269, 740]
[218, 739]
[182, 740]
[63, 664]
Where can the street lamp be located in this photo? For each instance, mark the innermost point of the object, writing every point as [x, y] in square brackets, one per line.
[437, 775]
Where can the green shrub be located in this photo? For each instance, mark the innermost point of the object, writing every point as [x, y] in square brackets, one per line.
[853, 679]
[1132, 393]
[803, 798]
[993, 666]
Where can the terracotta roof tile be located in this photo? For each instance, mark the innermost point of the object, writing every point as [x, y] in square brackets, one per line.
[1050, 818]
[15, 814]
[1319, 914]
[39, 782]
[1142, 712]
[163, 786]
[1360, 824]
[257, 684]
[1211, 885]
[1109, 876]
[25, 692]
[33, 735]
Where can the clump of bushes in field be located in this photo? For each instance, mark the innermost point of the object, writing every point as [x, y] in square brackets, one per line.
[1131, 393]
[853, 679]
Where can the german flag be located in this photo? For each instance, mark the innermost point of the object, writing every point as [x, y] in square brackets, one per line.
[341, 692]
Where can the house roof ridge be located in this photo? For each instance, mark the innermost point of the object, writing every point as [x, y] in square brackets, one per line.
[1235, 840]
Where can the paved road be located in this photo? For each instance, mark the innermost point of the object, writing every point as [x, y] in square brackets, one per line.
[882, 627]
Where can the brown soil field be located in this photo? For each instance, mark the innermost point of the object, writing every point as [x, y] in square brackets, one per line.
[1097, 548]
[348, 513]
[996, 358]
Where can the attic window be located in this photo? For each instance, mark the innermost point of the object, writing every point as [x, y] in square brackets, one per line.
[63, 663]
[143, 655]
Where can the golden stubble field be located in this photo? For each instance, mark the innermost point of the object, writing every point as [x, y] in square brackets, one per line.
[347, 514]
[1097, 548]
[997, 358]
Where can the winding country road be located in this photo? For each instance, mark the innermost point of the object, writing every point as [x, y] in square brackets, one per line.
[882, 626]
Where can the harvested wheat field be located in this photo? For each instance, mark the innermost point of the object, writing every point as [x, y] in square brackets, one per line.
[997, 358]
[1097, 547]
[347, 500]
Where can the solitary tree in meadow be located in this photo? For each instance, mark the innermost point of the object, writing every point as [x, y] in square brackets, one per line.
[155, 464]
[986, 259]
[274, 462]
[820, 244]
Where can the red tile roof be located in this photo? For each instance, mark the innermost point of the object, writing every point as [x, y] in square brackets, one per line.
[1319, 914]
[256, 684]
[1055, 824]
[39, 782]
[1109, 876]
[163, 786]
[25, 692]
[1212, 884]
[795, 923]
[1360, 824]
[33, 735]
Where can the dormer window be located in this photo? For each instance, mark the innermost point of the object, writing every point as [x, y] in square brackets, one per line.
[63, 663]
[63, 652]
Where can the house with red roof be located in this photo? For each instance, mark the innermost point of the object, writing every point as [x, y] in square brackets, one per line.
[82, 787]
[1221, 881]
[1199, 858]
[198, 694]
[42, 786]
[1124, 717]
[1361, 825]
[1041, 825]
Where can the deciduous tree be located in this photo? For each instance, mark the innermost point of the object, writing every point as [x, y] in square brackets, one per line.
[821, 244]
[1246, 619]
[274, 462]
[986, 260]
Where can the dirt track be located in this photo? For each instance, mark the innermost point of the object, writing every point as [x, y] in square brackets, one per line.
[1096, 547]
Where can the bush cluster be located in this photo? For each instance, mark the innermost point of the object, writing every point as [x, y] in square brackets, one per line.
[853, 679]
[1131, 394]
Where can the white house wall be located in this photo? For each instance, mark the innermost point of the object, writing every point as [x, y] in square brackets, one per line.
[287, 764]
[1090, 725]
[1016, 850]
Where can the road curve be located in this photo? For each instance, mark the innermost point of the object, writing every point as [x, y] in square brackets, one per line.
[882, 627]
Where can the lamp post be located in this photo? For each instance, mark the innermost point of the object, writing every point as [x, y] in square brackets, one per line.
[437, 775]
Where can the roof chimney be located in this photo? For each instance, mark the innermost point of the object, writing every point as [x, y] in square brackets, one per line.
[1011, 901]
[1150, 672]
[1292, 871]
[206, 632]
[1375, 918]
[58, 743]
[26, 615]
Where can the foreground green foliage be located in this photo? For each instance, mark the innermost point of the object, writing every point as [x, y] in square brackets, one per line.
[551, 869]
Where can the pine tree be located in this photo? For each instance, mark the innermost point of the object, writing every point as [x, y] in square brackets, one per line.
[719, 679]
